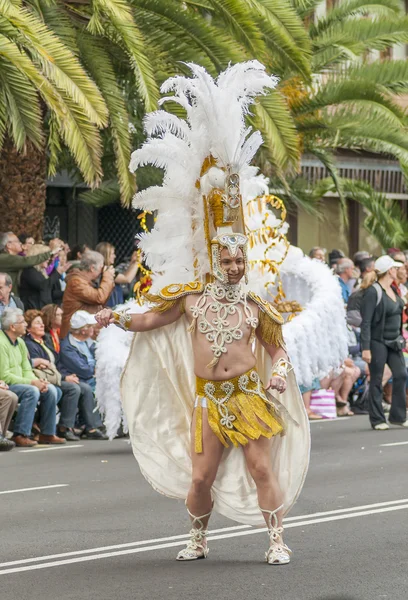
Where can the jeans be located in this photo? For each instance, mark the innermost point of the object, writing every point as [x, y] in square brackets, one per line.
[87, 414]
[68, 403]
[29, 396]
[381, 355]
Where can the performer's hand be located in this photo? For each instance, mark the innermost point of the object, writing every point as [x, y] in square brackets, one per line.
[366, 356]
[278, 384]
[104, 317]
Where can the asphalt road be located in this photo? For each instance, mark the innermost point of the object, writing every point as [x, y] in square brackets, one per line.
[104, 534]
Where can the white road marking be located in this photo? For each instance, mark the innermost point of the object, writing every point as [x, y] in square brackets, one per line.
[181, 539]
[395, 444]
[336, 420]
[62, 447]
[42, 487]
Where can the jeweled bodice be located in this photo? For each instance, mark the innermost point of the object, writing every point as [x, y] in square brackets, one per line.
[214, 312]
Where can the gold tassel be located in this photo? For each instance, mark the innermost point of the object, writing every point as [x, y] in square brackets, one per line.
[160, 304]
[198, 444]
[214, 362]
[271, 331]
[192, 327]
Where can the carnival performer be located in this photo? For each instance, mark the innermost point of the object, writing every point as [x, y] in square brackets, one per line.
[203, 426]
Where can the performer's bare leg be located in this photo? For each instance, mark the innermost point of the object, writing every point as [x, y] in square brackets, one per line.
[258, 459]
[199, 502]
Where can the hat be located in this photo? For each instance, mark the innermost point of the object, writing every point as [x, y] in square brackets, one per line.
[82, 318]
[385, 263]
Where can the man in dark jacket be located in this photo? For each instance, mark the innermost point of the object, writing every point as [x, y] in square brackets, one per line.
[11, 262]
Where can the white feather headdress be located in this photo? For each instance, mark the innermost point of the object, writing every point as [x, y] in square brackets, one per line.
[176, 249]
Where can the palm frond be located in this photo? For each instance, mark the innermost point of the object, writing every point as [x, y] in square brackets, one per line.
[107, 193]
[284, 32]
[237, 17]
[305, 8]
[21, 107]
[273, 118]
[120, 26]
[57, 62]
[100, 66]
[391, 75]
[388, 9]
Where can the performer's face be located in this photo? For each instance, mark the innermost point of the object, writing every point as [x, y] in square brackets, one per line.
[234, 266]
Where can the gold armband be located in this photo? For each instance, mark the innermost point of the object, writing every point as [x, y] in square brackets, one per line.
[122, 319]
[281, 368]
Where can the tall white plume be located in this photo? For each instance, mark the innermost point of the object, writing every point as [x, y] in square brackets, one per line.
[175, 249]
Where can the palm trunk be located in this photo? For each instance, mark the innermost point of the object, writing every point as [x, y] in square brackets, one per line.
[22, 190]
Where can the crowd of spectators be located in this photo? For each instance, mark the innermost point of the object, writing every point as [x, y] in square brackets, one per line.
[48, 296]
[373, 379]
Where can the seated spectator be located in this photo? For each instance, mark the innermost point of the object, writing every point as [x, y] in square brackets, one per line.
[109, 256]
[35, 285]
[80, 293]
[7, 298]
[43, 358]
[306, 392]
[78, 349]
[318, 253]
[11, 262]
[26, 242]
[16, 371]
[341, 382]
[345, 272]
[8, 405]
[52, 317]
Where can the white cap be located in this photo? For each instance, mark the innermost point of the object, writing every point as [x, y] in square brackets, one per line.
[82, 318]
[385, 263]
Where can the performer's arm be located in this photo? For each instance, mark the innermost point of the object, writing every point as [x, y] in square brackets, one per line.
[280, 362]
[140, 322]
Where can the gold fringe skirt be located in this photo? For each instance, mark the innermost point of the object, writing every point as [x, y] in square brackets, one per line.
[238, 410]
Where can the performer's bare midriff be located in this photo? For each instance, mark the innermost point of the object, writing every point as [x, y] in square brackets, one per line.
[236, 358]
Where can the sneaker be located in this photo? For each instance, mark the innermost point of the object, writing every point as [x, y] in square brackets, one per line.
[96, 434]
[404, 424]
[5, 444]
[68, 435]
[386, 407]
[381, 427]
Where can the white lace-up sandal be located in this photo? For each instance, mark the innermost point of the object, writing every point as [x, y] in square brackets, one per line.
[278, 552]
[197, 545]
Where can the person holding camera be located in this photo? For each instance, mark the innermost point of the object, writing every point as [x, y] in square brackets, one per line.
[36, 285]
[382, 343]
[82, 291]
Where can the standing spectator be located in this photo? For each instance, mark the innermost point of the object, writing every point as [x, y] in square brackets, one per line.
[8, 405]
[7, 298]
[402, 275]
[76, 253]
[345, 272]
[359, 257]
[80, 293]
[26, 242]
[382, 343]
[318, 253]
[43, 358]
[109, 256]
[52, 317]
[11, 262]
[35, 285]
[16, 371]
[334, 257]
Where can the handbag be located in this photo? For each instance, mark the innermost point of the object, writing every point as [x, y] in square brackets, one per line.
[49, 374]
[397, 345]
[323, 402]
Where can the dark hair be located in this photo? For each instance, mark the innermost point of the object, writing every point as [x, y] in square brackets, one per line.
[23, 237]
[75, 250]
[364, 263]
